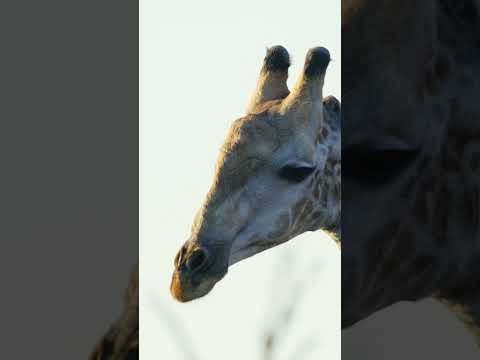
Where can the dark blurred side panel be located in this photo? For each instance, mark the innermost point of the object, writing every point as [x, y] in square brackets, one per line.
[411, 179]
[68, 172]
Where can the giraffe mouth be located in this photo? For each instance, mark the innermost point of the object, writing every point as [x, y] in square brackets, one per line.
[185, 288]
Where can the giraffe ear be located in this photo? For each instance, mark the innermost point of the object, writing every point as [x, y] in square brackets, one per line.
[272, 82]
[332, 111]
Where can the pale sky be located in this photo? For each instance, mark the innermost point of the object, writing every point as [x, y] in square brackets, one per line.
[199, 63]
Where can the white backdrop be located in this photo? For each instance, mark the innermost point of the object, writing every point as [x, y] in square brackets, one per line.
[199, 62]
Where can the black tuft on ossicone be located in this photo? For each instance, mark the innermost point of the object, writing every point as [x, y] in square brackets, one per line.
[277, 59]
[317, 61]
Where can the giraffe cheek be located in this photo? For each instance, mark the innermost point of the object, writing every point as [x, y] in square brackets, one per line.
[281, 227]
[234, 217]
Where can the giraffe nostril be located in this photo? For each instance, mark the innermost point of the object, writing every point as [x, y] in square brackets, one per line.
[197, 260]
[179, 257]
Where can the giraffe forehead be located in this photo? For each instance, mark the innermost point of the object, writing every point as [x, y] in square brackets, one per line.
[241, 159]
[256, 137]
[250, 145]
[255, 142]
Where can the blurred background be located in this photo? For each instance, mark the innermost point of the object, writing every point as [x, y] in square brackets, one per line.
[199, 63]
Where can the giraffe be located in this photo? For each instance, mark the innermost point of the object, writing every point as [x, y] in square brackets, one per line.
[277, 175]
[411, 153]
[121, 342]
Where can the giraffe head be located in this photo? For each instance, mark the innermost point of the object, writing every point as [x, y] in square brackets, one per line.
[266, 175]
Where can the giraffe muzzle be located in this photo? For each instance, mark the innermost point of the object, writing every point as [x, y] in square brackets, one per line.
[197, 270]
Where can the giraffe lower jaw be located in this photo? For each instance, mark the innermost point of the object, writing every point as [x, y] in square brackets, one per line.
[244, 253]
[184, 288]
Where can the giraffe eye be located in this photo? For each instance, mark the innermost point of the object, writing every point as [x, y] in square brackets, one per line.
[295, 173]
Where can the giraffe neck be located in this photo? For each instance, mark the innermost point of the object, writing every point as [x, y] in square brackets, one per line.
[326, 184]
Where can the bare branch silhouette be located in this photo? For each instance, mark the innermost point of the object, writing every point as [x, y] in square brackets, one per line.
[296, 289]
[176, 330]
